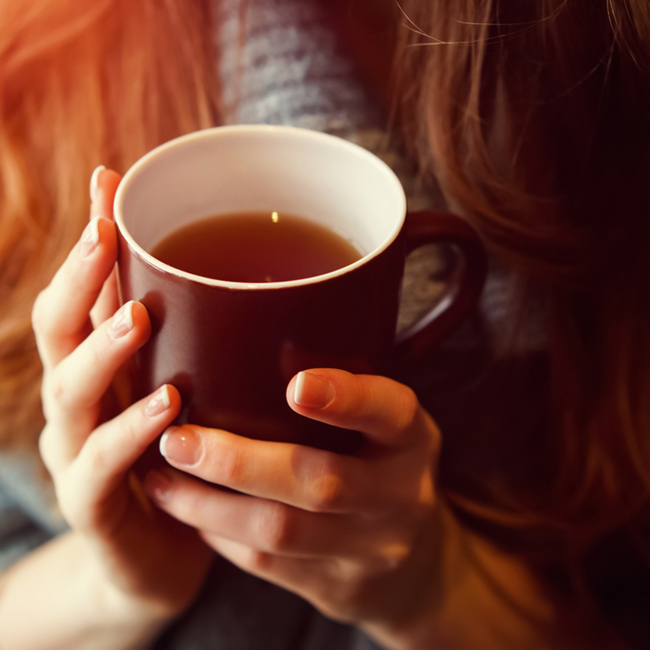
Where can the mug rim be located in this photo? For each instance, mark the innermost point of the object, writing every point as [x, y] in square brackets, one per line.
[132, 173]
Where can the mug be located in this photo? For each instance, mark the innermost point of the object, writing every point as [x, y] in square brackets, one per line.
[230, 348]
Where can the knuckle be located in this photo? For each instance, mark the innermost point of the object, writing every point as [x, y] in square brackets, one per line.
[61, 390]
[392, 554]
[55, 391]
[326, 484]
[96, 453]
[46, 446]
[95, 457]
[259, 562]
[232, 465]
[408, 412]
[275, 527]
[60, 393]
[40, 319]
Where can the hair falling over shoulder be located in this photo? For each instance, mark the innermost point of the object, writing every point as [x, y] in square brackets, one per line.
[533, 117]
[81, 84]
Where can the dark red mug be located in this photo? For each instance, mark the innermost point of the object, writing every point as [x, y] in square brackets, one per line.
[231, 348]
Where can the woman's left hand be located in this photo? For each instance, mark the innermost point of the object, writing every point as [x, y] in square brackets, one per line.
[356, 536]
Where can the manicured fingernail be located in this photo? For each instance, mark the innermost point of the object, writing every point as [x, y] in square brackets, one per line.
[94, 182]
[90, 238]
[122, 321]
[159, 403]
[312, 391]
[180, 446]
[156, 485]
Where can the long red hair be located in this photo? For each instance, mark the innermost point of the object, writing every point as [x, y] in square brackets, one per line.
[81, 84]
[533, 117]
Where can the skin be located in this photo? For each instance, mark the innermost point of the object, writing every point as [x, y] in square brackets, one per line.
[364, 539]
[339, 531]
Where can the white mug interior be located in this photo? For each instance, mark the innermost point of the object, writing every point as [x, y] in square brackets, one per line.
[261, 168]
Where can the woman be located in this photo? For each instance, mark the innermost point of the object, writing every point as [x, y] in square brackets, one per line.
[531, 117]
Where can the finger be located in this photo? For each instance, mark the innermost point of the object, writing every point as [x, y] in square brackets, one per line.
[386, 412]
[73, 391]
[61, 311]
[274, 527]
[308, 478]
[103, 185]
[111, 451]
[108, 301]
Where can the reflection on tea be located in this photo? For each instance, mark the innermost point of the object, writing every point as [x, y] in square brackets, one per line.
[255, 247]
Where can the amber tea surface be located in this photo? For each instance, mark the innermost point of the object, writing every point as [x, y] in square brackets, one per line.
[255, 247]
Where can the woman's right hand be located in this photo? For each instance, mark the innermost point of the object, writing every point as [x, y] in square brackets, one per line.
[142, 554]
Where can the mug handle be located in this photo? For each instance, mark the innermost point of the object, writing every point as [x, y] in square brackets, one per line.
[462, 292]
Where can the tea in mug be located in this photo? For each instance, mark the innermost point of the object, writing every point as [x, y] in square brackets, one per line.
[255, 247]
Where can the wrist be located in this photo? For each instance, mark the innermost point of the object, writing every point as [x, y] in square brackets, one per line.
[132, 614]
[135, 623]
[76, 604]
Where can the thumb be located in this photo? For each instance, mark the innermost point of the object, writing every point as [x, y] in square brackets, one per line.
[385, 411]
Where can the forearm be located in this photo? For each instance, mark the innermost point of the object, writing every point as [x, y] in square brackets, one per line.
[488, 600]
[58, 598]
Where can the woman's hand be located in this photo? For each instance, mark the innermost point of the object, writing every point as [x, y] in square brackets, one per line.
[142, 554]
[356, 536]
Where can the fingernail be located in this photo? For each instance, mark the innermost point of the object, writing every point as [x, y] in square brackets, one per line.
[312, 391]
[89, 238]
[94, 182]
[159, 403]
[181, 446]
[156, 485]
[122, 321]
